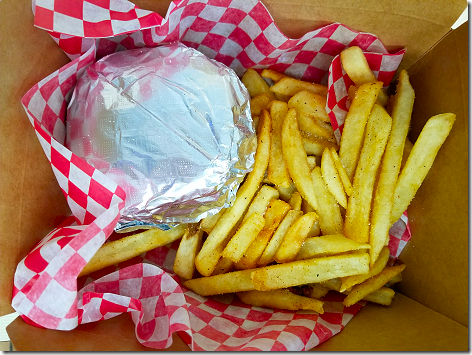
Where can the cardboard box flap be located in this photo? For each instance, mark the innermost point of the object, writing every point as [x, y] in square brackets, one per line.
[414, 25]
[437, 254]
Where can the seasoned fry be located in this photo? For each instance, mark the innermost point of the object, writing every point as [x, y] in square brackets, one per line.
[316, 146]
[274, 215]
[360, 291]
[356, 224]
[280, 299]
[256, 84]
[312, 161]
[296, 201]
[312, 127]
[390, 168]
[332, 178]
[294, 238]
[326, 245]
[272, 75]
[189, 246]
[210, 252]
[235, 281]
[379, 265]
[262, 200]
[277, 172]
[224, 265]
[308, 271]
[383, 296]
[274, 243]
[341, 171]
[317, 291]
[330, 219]
[420, 160]
[245, 235]
[291, 86]
[355, 64]
[354, 126]
[309, 103]
[259, 103]
[130, 246]
[209, 222]
[295, 157]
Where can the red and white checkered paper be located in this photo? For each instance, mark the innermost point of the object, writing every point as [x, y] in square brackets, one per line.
[240, 34]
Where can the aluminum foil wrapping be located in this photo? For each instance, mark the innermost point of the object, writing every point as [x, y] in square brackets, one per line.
[170, 126]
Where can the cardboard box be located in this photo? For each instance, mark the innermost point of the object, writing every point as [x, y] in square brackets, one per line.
[430, 311]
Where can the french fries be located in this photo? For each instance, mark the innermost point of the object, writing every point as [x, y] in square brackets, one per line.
[190, 244]
[332, 178]
[255, 84]
[133, 245]
[358, 210]
[295, 157]
[383, 201]
[277, 172]
[275, 214]
[243, 238]
[323, 224]
[301, 272]
[276, 240]
[354, 126]
[294, 238]
[329, 245]
[361, 290]
[330, 219]
[281, 299]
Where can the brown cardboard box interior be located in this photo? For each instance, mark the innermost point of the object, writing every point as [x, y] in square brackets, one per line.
[433, 314]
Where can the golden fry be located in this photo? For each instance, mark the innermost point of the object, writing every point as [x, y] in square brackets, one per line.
[280, 299]
[277, 238]
[354, 126]
[130, 246]
[326, 245]
[190, 244]
[357, 219]
[390, 168]
[277, 172]
[420, 160]
[256, 84]
[308, 271]
[295, 157]
[330, 219]
[294, 238]
[360, 291]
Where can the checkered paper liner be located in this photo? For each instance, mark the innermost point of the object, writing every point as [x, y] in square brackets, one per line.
[240, 34]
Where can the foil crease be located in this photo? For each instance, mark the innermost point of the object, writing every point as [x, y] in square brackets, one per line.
[170, 126]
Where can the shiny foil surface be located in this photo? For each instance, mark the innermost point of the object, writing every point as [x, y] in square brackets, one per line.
[170, 126]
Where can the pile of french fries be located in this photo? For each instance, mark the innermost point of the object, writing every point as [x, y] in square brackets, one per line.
[312, 215]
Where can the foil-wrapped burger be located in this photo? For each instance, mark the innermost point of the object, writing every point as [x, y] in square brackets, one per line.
[167, 124]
